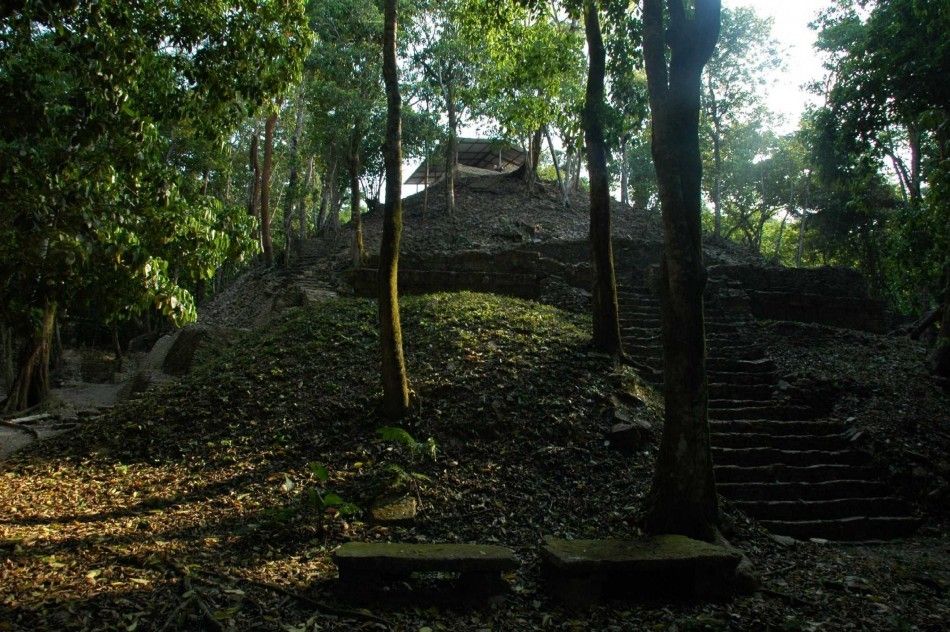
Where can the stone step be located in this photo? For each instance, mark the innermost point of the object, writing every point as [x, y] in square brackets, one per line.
[739, 365]
[778, 472]
[830, 442]
[751, 457]
[739, 377]
[780, 427]
[718, 390]
[770, 411]
[856, 528]
[365, 566]
[718, 403]
[823, 490]
[581, 571]
[832, 509]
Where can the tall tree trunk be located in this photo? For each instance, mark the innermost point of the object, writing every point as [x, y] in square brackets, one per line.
[683, 496]
[6, 356]
[800, 251]
[913, 140]
[451, 149]
[291, 199]
[254, 189]
[557, 170]
[302, 203]
[425, 187]
[326, 195]
[534, 156]
[717, 157]
[357, 252]
[606, 318]
[395, 381]
[266, 243]
[624, 179]
[32, 384]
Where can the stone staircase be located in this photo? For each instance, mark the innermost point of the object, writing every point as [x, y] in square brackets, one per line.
[796, 473]
[310, 270]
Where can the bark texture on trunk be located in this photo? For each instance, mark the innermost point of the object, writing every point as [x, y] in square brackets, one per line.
[606, 319]
[683, 497]
[266, 243]
[395, 381]
[31, 384]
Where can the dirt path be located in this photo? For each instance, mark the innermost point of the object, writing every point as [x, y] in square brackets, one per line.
[72, 403]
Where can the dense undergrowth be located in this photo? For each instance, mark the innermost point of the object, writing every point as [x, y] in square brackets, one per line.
[171, 512]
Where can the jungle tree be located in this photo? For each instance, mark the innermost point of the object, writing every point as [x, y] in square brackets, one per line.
[676, 47]
[97, 94]
[395, 382]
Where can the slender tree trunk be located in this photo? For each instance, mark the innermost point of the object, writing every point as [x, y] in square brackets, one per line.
[266, 242]
[534, 156]
[357, 251]
[451, 149]
[302, 203]
[913, 140]
[683, 497]
[6, 356]
[291, 199]
[778, 241]
[117, 347]
[557, 170]
[606, 318]
[395, 381]
[31, 384]
[326, 196]
[717, 157]
[425, 187]
[254, 189]
[624, 180]
[801, 226]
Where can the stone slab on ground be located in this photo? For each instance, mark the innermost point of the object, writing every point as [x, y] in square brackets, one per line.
[395, 510]
[367, 566]
[581, 572]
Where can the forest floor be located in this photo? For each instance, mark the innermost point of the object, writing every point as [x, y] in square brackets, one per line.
[194, 507]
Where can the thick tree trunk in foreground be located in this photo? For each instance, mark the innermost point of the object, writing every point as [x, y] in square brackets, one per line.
[683, 497]
[395, 382]
[31, 384]
[606, 334]
[451, 150]
[266, 243]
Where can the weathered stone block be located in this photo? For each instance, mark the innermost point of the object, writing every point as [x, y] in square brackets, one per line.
[667, 566]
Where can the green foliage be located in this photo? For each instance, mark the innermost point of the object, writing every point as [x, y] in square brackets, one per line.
[401, 437]
[100, 97]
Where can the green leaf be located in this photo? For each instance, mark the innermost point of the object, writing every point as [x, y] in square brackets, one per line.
[396, 435]
[320, 471]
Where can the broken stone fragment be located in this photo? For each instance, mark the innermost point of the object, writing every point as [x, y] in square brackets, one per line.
[629, 437]
[394, 510]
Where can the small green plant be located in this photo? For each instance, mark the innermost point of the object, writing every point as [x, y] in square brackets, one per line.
[321, 499]
[417, 449]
